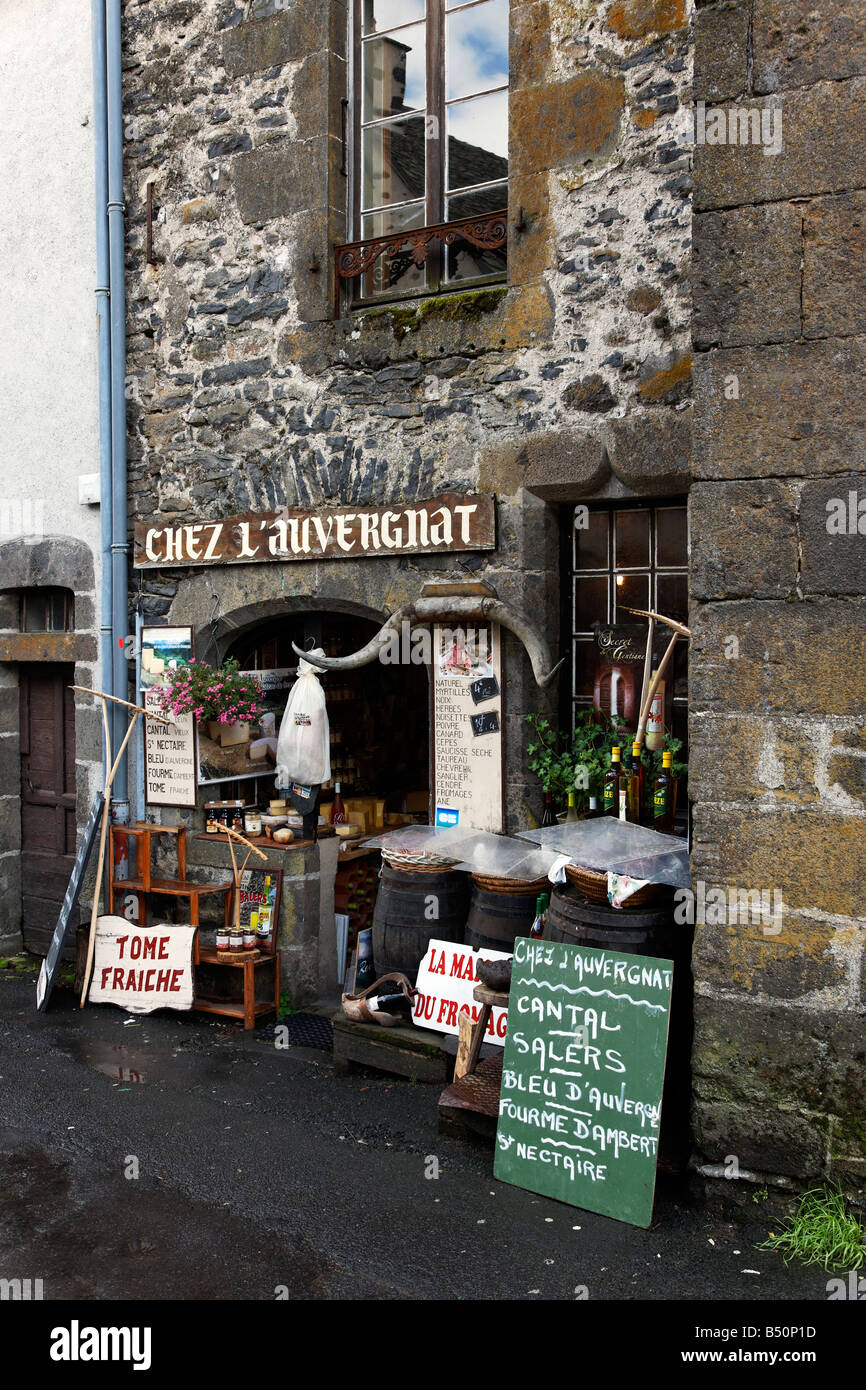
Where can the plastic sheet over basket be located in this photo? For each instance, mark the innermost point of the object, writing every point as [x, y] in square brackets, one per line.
[476, 851]
[607, 844]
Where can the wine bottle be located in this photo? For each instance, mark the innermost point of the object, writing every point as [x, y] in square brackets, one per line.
[611, 784]
[571, 814]
[663, 795]
[624, 787]
[542, 902]
[637, 786]
[548, 818]
[338, 810]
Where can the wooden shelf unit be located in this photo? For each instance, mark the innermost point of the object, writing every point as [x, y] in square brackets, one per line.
[145, 883]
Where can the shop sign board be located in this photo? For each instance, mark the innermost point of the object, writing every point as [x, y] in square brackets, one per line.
[169, 749]
[170, 764]
[447, 523]
[446, 979]
[582, 1077]
[142, 968]
[467, 727]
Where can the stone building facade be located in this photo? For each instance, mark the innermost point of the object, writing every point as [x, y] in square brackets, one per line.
[778, 745]
[49, 531]
[570, 381]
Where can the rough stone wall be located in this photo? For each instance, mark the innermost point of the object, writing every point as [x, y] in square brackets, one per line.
[570, 381]
[778, 736]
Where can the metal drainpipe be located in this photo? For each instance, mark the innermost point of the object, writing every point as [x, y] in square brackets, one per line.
[103, 339]
[116, 251]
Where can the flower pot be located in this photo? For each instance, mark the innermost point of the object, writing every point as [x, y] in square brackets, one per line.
[232, 734]
[214, 729]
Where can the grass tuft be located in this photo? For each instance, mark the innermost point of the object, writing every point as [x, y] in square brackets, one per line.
[822, 1233]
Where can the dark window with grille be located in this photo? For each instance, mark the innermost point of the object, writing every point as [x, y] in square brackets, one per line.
[620, 558]
[430, 82]
[47, 610]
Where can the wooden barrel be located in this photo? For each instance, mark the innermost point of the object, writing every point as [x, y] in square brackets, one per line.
[412, 907]
[495, 919]
[643, 932]
[635, 931]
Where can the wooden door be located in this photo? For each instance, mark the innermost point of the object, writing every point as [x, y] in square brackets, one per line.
[47, 798]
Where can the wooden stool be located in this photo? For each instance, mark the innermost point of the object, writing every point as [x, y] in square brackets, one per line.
[248, 1009]
[471, 1035]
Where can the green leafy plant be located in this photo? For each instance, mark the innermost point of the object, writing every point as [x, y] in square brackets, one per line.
[822, 1233]
[223, 693]
[286, 1007]
[575, 763]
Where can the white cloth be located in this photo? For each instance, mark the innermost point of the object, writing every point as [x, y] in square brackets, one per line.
[556, 872]
[304, 744]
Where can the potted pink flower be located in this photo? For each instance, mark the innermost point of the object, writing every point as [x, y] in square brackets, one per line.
[223, 698]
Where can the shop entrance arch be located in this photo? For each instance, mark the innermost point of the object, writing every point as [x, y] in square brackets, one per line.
[378, 715]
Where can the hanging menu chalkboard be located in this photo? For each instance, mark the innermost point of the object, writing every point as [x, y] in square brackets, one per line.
[467, 727]
[582, 1077]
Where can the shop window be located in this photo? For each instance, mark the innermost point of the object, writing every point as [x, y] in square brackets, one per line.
[621, 558]
[430, 147]
[378, 714]
[47, 610]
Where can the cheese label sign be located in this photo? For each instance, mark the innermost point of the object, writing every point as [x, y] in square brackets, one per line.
[582, 1076]
[446, 981]
[142, 968]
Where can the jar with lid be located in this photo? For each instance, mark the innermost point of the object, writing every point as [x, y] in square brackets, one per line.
[252, 821]
[250, 934]
[222, 938]
[236, 938]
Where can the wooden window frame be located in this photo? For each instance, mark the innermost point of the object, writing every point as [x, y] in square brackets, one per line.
[434, 233]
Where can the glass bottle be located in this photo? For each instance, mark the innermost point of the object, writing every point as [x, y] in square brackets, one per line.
[637, 787]
[611, 783]
[663, 795]
[624, 787]
[571, 813]
[338, 810]
[548, 818]
[542, 902]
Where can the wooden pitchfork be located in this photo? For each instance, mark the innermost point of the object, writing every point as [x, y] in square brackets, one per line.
[110, 774]
[650, 687]
[237, 874]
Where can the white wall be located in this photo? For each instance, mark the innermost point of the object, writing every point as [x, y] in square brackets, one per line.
[48, 390]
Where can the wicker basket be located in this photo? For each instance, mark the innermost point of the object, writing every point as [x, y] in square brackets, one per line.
[593, 886]
[418, 863]
[511, 886]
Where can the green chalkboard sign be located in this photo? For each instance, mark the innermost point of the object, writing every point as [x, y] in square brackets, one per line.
[582, 1076]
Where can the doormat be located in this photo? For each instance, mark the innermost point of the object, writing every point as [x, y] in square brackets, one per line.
[304, 1030]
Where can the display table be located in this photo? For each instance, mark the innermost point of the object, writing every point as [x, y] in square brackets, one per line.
[402, 1050]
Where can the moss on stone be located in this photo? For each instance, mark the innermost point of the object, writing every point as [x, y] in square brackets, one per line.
[443, 308]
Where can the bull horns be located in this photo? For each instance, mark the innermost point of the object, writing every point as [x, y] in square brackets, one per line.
[428, 610]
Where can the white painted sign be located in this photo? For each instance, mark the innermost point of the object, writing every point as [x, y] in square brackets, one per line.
[446, 979]
[142, 968]
[467, 727]
[170, 766]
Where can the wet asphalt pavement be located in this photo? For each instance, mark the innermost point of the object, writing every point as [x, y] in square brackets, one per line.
[259, 1168]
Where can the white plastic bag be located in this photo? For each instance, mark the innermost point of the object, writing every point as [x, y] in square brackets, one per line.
[304, 744]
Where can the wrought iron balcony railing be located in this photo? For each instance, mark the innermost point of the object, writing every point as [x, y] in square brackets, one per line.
[355, 258]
